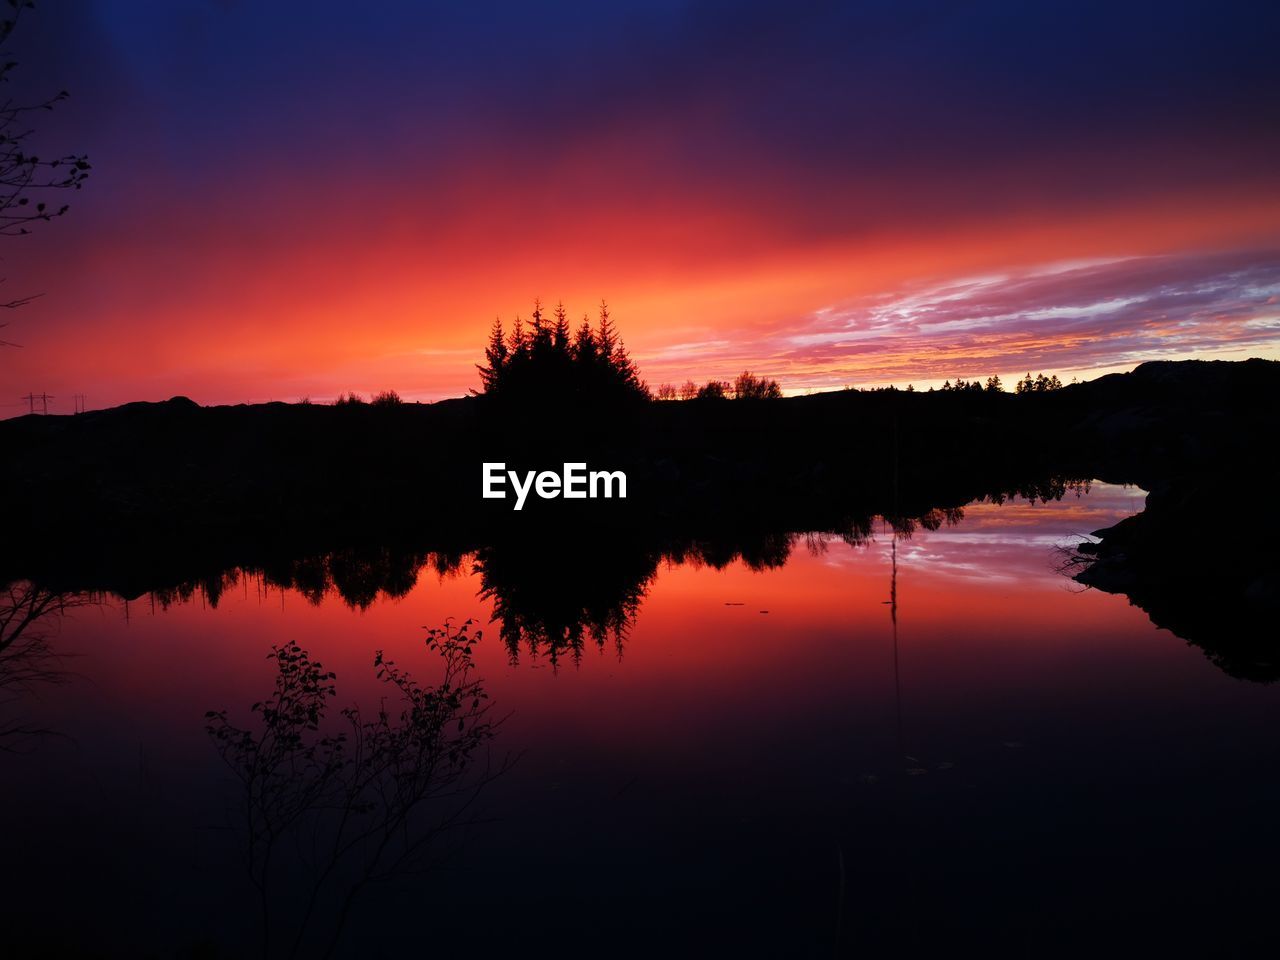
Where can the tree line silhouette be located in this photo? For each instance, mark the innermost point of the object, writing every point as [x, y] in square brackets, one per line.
[1039, 384]
[546, 358]
[747, 386]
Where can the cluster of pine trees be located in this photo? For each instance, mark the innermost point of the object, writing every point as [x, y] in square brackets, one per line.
[993, 385]
[1040, 384]
[545, 359]
[1028, 384]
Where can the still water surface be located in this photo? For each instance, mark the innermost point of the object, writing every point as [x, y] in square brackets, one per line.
[916, 743]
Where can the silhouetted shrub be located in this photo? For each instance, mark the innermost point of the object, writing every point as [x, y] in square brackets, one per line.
[331, 805]
[746, 387]
[349, 400]
[387, 398]
[750, 387]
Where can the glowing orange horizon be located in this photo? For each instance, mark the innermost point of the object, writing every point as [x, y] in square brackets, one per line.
[305, 310]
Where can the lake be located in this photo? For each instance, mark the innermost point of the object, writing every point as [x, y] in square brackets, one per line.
[924, 740]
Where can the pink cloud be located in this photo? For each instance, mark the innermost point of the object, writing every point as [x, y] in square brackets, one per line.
[1083, 317]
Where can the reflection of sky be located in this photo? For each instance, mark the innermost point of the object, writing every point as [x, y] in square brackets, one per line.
[1021, 707]
[1000, 552]
[998, 541]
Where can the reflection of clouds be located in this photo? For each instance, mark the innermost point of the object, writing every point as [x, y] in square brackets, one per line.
[1004, 560]
[986, 558]
[1000, 541]
[1103, 506]
[1080, 315]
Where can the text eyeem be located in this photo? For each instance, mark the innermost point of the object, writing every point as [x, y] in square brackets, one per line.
[572, 483]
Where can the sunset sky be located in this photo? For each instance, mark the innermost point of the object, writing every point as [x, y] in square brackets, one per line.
[297, 202]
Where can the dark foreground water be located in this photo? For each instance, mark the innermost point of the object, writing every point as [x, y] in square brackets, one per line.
[925, 743]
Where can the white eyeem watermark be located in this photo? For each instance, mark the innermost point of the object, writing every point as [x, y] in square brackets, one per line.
[572, 483]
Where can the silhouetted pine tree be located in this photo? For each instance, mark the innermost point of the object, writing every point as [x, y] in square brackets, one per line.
[625, 370]
[607, 338]
[560, 333]
[495, 356]
[518, 345]
[541, 331]
[1040, 384]
[584, 344]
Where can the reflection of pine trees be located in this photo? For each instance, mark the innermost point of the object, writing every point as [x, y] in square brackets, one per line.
[552, 599]
[558, 592]
[544, 360]
[904, 526]
[760, 551]
[1045, 490]
[358, 575]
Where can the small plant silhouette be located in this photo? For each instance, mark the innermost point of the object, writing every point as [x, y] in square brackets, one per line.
[367, 799]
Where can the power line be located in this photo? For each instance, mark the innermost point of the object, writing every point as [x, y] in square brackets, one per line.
[44, 399]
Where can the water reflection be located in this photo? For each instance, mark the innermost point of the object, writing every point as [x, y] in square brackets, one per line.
[557, 591]
[329, 809]
[29, 620]
[359, 575]
[923, 690]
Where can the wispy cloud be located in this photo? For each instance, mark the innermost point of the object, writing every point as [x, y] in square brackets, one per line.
[1080, 316]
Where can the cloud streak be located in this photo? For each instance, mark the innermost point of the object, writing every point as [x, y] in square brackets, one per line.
[1073, 316]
